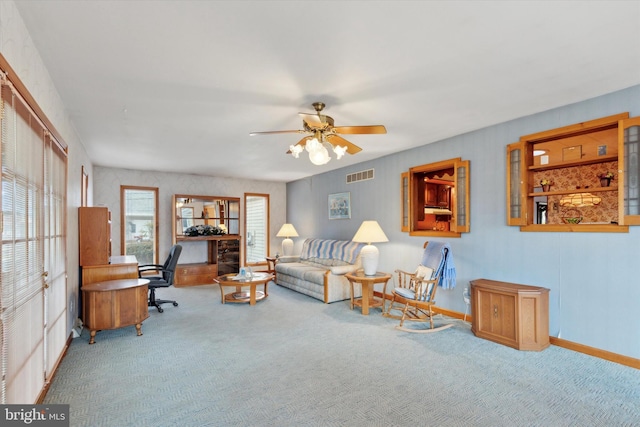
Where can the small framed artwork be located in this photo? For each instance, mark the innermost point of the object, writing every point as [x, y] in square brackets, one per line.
[602, 150]
[340, 205]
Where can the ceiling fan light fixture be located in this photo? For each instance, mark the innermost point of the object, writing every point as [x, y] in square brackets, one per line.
[339, 150]
[295, 150]
[319, 156]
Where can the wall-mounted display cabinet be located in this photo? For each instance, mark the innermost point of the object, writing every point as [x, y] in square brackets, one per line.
[583, 177]
[435, 199]
[210, 219]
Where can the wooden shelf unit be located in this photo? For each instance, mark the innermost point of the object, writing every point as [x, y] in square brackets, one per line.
[223, 251]
[572, 155]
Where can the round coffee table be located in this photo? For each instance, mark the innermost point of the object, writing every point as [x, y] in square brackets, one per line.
[237, 283]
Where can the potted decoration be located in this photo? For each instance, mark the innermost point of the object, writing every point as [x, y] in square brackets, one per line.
[546, 184]
[605, 178]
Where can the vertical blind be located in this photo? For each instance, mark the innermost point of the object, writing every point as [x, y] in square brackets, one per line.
[33, 234]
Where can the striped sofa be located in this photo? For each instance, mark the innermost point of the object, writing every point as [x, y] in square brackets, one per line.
[319, 270]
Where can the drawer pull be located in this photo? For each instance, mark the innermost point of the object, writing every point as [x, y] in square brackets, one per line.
[495, 310]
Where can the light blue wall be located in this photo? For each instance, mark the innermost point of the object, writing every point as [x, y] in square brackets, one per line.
[595, 289]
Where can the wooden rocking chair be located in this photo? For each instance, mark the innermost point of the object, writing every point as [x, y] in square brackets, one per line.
[415, 295]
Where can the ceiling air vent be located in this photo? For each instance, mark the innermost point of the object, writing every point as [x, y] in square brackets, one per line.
[359, 176]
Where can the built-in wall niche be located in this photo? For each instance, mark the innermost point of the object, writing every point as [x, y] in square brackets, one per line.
[222, 213]
[435, 199]
[212, 225]
[555, 178]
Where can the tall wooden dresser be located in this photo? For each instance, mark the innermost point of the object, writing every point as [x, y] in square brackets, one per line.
[511, 314]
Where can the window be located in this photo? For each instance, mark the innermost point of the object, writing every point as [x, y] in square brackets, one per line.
[139, 223]
[436, 197]
[256, 227]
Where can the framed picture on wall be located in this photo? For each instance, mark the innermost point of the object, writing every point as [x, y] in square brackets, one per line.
[340, 205]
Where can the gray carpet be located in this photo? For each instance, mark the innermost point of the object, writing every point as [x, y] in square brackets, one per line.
[294, 361]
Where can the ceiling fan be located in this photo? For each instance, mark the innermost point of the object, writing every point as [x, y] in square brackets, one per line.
[321, 132]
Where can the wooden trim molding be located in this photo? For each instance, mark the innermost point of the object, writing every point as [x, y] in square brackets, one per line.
[12, 76]
[596, 352]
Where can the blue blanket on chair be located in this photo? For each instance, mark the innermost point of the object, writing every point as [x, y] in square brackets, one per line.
[438, 256]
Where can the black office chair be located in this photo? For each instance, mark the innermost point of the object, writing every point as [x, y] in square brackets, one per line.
[164, 279]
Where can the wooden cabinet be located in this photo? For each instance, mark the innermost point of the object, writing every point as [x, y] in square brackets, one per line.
[431, 195]
[511, 314]
[94, 233]
[196, 274]
[573, 158]
[112, 304]
[214, 221]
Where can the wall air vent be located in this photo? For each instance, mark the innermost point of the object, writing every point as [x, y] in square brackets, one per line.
[359, 176]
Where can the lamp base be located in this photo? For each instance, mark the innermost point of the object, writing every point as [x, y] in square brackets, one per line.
[369, 256]
[287, 247]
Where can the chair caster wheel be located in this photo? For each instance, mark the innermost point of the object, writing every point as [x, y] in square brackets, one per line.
[160, 310]
[175, 304]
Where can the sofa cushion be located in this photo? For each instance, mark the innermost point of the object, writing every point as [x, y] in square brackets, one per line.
[298, 269]
[326, 262]
[344, 250]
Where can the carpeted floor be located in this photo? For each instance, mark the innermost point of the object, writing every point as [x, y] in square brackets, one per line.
[294, 361]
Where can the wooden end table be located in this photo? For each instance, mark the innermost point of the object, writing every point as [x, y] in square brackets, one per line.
[271, 264]
[237, 283]
[367, 282]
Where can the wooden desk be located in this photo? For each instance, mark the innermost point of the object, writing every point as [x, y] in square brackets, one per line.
[119, 267]
[112, 304]
[367, 282]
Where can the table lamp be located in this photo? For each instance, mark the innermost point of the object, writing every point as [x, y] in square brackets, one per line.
[370, 232]
[287, 231]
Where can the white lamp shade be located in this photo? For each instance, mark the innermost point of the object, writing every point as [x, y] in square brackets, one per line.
[370, 232]
[287, 231]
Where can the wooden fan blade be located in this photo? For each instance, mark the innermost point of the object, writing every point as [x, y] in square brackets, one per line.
[275, 131]
[338, 140]
[352, 130]
[302, 142]
[313, 121]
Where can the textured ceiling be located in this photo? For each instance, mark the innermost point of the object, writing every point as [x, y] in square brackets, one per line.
[178, 85]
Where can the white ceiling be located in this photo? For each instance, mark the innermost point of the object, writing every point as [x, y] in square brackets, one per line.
[178, 85]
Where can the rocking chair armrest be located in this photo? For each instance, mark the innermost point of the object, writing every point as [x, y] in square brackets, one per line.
[405, 278]
[404, 272]
[422, 285]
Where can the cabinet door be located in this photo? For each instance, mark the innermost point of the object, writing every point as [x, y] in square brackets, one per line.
[460, 203]
[496, 314]
[629, 171]
[404, 201]
[94, 236]
[516, 185]
[431, 195]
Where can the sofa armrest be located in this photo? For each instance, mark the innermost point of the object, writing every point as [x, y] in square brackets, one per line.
[289, 258]
[340, 270]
